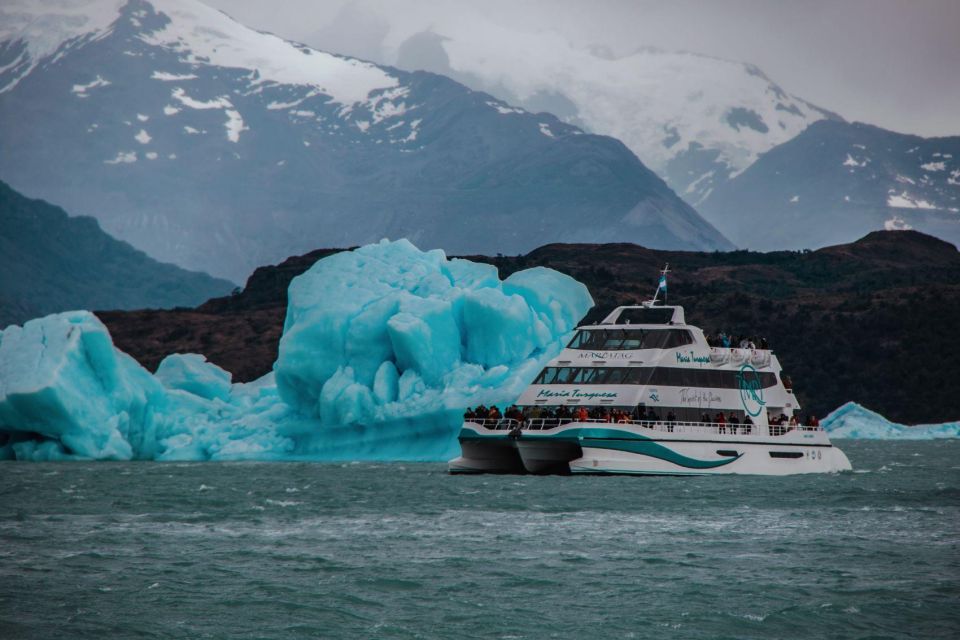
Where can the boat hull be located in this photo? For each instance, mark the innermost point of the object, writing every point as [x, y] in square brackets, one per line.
[486, 453]
[599, 448]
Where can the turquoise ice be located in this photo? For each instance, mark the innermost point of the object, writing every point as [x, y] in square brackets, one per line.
[382, 349]
[855, 421]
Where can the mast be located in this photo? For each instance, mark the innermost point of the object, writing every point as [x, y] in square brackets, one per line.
[661, 284]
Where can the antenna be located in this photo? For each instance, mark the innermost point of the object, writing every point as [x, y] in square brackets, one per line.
[661, 284]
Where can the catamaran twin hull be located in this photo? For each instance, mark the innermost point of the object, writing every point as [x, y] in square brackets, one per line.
[644, 392]
[654, 449]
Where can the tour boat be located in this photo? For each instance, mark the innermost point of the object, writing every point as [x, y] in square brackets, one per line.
[642, 393]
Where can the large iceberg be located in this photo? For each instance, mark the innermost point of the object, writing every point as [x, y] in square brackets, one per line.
[855, 421]
[382, 349]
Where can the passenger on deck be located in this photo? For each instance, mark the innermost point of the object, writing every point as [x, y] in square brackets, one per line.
[671, 418]
[705, 417]
[764, 344]
[582, 414]
[734, 423]
[747, 427]
[724, 340]
[721, 421]
[494, 413]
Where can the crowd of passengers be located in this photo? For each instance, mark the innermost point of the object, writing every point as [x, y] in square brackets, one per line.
[607, 414]
[728, 341]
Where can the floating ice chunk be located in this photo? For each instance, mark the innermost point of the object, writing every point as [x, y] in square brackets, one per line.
[382, 349]
[855, 421]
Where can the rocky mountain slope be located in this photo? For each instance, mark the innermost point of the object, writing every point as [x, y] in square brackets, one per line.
[696, 120]
[871, 321]
[51, 262]
[837, 181]
[221, 148]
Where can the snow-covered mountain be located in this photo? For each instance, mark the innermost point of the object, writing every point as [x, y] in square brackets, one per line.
[695, 120]
[837, 181]
[220, 148]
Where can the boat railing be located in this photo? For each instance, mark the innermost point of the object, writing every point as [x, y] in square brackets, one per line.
[705, 428]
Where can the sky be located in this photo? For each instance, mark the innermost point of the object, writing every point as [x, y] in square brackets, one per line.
[892, 63]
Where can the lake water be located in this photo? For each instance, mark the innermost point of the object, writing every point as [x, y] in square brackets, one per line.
[290, 550]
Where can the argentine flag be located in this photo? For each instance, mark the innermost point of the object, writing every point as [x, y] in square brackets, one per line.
[663, 283]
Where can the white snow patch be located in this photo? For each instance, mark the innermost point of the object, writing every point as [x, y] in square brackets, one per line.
[123, 157]
[904, 179]
[306, 143]
[504, 110]
[82, 89]
[151, 155]
[274, 106]
[860, 146]
[954, 177]
[896, 223]
[904, 201]
[545, 130]
[852, 162]
[172, 156]
[142, 118]
[795, 199]
[221, 102]
[304, 113]
[143, 137]
[934, 166]
[172, 77]
[846, 198]
[234, 125]
[413, 131]
[363, 125]
[170, 110]
[203, 35]
[191, 130]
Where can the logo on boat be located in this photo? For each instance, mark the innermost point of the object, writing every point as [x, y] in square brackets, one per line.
[751, 390]
[575, 393]
[693, 357]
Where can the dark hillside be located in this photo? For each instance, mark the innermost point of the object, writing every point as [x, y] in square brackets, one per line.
[872, 321]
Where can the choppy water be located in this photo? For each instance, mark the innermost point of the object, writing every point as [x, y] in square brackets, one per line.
[247, 550]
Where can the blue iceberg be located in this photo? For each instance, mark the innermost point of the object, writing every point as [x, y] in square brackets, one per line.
[382, 349]
[857, 422]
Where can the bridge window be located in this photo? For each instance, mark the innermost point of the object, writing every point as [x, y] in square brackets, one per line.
[624, 339]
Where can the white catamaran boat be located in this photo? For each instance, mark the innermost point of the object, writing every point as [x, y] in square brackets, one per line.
[644, 393]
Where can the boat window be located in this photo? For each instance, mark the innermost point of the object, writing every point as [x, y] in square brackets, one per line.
[622, 339]
[657, 315]
[651, 376]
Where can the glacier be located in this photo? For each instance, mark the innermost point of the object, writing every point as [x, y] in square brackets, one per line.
[382, 349]
[857, 422]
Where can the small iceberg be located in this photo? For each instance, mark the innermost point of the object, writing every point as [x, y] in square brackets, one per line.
[857, 422]
[382, 349]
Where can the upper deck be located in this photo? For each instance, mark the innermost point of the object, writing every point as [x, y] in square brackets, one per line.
[646, 357]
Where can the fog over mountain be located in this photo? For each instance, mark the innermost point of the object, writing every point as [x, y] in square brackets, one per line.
[887, 62]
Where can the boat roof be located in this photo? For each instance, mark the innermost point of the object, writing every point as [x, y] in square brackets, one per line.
[643, 314]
